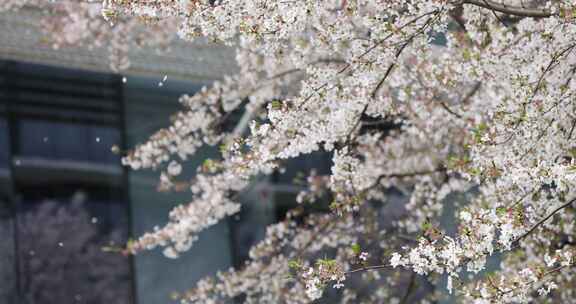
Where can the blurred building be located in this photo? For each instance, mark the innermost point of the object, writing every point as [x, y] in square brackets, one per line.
[22, 40]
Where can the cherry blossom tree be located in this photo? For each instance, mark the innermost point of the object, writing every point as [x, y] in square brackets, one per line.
[428, 97]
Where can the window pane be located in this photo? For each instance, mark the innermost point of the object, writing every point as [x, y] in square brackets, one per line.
[67, 141]
[69, 214]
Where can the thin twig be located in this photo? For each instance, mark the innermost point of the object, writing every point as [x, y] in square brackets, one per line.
[368, 268]
[410, 288]
[377, 44]
[445, 107]
[405, 175]
[494, 13]
[472, 92]
[543, 220]
[543, 275]
[572, 129]
[398, 53]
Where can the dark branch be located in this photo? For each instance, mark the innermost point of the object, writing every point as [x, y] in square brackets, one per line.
[470, 94]
[399, 52]
[367, 268]
[511, 10]
[405, 175]
[494, 12]
[542, 221]
[410, 288]
[447, 108]
[572, 129]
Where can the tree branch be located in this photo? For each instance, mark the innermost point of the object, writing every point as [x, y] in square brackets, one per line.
[447, 108]
[399, 52]
[511, 10]
[572, 129]
[494, 13]
[410, 288]
[543, 220]
[471, 93]
[367, 268]
[405, 175]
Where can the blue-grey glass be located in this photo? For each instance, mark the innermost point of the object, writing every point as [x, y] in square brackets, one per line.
[4, 145]
[68, 141]
[8, 270]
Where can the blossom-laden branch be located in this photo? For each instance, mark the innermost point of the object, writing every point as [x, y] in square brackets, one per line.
[542, 221]
[511, 9]
[482, 118]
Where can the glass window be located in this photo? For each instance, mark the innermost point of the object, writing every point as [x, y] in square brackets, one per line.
[67, 141]
[65, 213]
